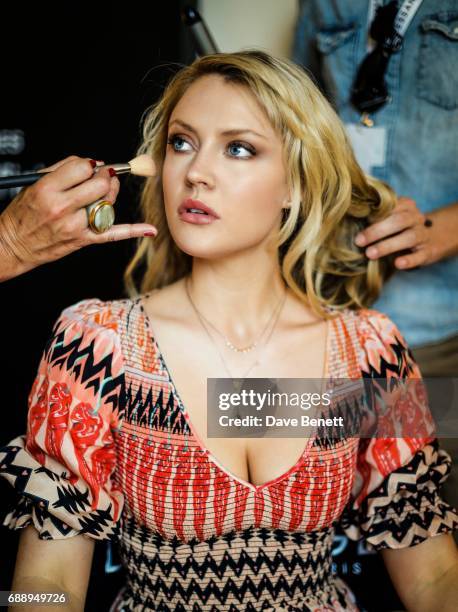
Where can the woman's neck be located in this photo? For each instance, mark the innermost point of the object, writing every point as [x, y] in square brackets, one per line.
[238, 298]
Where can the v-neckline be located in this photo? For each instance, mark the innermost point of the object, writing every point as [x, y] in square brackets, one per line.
[194, 433]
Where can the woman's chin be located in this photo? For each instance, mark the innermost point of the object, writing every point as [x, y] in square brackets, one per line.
[201, 251]
[206, 243]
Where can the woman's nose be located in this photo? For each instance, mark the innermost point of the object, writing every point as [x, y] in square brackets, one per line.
[200, 170]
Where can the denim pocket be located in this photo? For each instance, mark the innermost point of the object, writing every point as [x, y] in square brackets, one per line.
[337, 47]
[437, 76]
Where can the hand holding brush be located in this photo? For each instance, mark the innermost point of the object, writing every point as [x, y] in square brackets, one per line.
[64, 208]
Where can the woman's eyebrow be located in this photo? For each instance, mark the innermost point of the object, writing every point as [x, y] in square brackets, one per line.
[232, 132]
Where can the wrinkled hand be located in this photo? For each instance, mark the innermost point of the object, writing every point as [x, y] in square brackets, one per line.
[404, 229]
[48, 220]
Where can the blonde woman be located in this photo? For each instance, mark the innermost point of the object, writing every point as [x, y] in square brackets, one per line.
[253, 273]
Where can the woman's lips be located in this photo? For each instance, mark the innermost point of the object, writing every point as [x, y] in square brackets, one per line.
[195, 217]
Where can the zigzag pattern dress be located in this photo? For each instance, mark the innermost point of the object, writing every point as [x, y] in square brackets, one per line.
[110, 453]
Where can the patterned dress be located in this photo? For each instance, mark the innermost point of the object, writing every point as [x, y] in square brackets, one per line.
[110, 453]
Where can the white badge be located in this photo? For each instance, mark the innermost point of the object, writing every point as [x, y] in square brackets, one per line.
[369, 145]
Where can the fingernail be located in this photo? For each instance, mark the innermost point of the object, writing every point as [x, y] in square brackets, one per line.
[401, 263]
[149, 233]
[111, 171]
[93, 163]
[372, 252]
[360, 240]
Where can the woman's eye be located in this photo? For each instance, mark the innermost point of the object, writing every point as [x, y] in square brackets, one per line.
[179, 144]
[238, 150]
[235, 148]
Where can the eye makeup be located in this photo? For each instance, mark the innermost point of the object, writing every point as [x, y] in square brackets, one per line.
[173, 139]
[243, 145]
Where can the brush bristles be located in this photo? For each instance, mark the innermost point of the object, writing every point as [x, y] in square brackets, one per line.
[143, 165]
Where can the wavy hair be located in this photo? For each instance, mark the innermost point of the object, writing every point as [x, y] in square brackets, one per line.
[332, 198]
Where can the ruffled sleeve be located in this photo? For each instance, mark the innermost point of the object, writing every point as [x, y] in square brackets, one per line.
[395, 500]
[62, 469]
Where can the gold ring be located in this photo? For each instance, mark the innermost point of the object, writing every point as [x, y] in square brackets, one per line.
[100, 216]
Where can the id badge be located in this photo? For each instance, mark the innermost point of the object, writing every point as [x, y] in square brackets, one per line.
[369, 145]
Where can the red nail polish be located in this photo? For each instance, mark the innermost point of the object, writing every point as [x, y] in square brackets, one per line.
[111, 171]
[93, 163]
[149, 233]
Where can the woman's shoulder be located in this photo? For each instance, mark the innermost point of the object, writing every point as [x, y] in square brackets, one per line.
[377, 340]
[369, 321]
[101, 316]
[166, 311]
[167, 302]
[125, 322]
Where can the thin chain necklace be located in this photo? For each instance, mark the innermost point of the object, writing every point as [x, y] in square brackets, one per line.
[201, 318]
[229, 344]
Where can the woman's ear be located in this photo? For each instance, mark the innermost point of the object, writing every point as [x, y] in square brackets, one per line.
[286, 203]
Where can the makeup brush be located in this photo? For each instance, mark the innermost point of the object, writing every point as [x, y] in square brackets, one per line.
[142, 165]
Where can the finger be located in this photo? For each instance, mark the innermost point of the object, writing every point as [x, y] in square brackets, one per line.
[408, 205]
[107, 175]
[406, 202]
[396, 222]
[413, 260]
[104, 184]
[72, 226]
[101, 185]
[65, 161]
[59, 164]
[74, 222]
[405, 240]
[121, 232]
[68, 175]
[112, 193]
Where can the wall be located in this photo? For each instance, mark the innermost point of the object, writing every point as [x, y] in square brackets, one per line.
[235, 24]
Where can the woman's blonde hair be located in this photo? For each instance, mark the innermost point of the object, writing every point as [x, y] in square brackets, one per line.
[332, 199]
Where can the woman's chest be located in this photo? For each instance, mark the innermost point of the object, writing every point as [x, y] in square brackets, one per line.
[182, 482]
[175, 487]
[252, 457]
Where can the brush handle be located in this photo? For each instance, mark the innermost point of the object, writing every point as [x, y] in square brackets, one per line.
[20, 180]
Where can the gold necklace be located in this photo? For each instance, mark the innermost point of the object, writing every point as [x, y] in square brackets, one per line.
[229, 344]
[201, 318]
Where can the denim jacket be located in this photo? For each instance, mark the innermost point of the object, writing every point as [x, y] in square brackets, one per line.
[421, 120]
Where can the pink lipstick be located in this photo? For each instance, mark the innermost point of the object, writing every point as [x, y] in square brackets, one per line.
[195, 211]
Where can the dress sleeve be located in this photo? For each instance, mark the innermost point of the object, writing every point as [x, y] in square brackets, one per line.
[395, 500]
[62, 468]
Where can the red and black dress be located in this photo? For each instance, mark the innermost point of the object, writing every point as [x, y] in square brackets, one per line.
[110, 453]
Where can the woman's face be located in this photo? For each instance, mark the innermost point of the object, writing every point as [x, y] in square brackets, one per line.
[222, 152]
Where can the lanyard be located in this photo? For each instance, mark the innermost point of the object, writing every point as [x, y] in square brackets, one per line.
[403, 17]
[402, 21]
